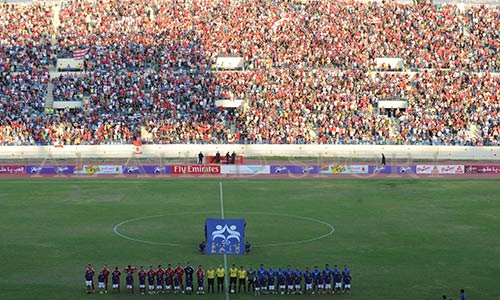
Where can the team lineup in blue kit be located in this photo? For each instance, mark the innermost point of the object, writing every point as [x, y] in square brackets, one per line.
[260, 281]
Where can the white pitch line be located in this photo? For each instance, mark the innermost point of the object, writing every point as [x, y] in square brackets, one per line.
[226, 286]
[221, 200]
[332, 229]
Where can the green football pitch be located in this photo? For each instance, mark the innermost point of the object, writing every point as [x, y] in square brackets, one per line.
[401, 238]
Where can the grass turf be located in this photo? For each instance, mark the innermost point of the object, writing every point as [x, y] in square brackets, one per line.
[402, 238]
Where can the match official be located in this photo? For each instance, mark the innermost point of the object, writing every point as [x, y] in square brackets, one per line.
[211, 279]
[233, 275]
[242, 277]
[220, 272]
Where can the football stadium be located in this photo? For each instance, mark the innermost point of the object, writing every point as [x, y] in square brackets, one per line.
[234, 149]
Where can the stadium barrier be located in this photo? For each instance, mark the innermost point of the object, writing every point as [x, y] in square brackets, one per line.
[210, 170]
[189, 152]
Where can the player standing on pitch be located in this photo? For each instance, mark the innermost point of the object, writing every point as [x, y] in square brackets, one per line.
[271, 276]
[337, 279]
[159, 280]
[89, 279]
[189, 270]
[315, 276]
[130, 278]
[290, 280]
[100, 282]
[308, 281]
[180, 273]
[347, 283]
[142, 281]
[298, 281]
[327, 274]
[115, 280]
[200, 276]
[169, 278]
[251, 277]
[151, 280]
[281, 278]
[105, 271]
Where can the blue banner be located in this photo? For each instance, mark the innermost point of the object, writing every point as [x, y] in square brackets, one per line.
[225, 236]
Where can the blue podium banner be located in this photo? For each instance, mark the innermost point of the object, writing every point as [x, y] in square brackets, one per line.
[225, 236]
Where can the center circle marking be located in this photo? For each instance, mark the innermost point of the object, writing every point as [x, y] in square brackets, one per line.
[329, 233]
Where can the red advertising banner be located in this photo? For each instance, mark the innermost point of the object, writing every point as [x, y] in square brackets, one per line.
[212, 160]
[483, 169]
[195, 169]
[12, 170]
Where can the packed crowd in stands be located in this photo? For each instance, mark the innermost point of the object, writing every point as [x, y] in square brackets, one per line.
[309, 72]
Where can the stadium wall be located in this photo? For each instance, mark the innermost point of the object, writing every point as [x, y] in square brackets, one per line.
[189, 152]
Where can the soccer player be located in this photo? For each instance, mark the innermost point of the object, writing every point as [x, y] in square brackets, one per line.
[211, 279]
[335, 270]
[101, 283]
[151, 280]
[345, 272]
[263, 284]
[129, 269]
[298, 281]
[189, 285]
[251, 278]
[242, 277]
[257, 286]
[347, 283]
[115, 280]
[308, 281]
[233, 276]
[271, 276]
[261, 277]
[159, 280]
[142, 281]
[281, 278]
[105, 271]
[327, 273]
[321, 283]
[248, 247]
[337, 279]
[169, 278]
[200, 276]
[189, 270]
[220, 272]
[180, 273]
[290, 280]
[315, 276]
[130, 282]
[202, 247]
[130, 278]
[177, 283]
[89, 279]
[462, 295]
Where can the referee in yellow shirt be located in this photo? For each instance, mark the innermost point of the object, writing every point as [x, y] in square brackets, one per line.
[242, 277]
[233, 275]
[220, 272]
[211, 279]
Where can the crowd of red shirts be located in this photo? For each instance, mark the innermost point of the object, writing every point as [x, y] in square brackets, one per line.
[309, 73]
